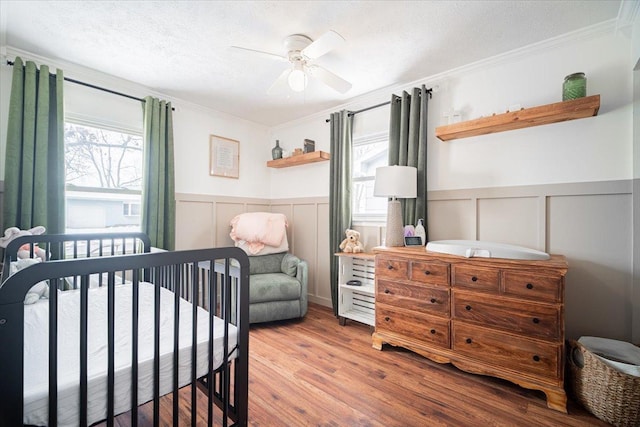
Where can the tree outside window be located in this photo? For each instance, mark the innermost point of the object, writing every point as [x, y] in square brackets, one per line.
[103, 174]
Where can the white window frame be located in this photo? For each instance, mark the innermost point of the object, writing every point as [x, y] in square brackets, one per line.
[127, 208]
[368, 217]
[81, 120]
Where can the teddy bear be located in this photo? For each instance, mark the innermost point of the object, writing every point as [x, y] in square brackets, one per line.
[352, 244]
[24, 251]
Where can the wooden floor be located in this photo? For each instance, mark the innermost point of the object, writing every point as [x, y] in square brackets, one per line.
[317, 373]
[313, 372]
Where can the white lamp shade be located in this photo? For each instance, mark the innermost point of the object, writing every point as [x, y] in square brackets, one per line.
[396, 181]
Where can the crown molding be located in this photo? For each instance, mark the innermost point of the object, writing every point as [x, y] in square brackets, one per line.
[628, 13]
[439, 80]
[98, 78]
[628, 9]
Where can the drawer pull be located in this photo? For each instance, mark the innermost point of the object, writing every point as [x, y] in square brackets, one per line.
[433, 300]
[427, 272]
[474, 279]
[529, 286]
[386, 319]
[468, 340]
[433, 331]
[468, 308]
[536, 358]
[386, 291]
[536, 320]
[390, 267]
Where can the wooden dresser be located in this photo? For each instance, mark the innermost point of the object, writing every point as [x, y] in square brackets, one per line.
[490, 316]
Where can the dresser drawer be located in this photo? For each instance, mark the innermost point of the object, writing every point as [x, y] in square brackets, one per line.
[434, 273]
[533, 286]
[414, 297]
[425, 329]
[391, 268]
[476, 277]
[515, 353]
[529, 320]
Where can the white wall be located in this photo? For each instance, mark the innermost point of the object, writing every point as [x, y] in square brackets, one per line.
[593, 149]
[192, 126]
[313, 179]
[5, 89]
[310, 180]
[537, 187]
[635, 61]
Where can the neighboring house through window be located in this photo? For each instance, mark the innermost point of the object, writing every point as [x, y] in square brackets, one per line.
[103, 177]
[369, 153]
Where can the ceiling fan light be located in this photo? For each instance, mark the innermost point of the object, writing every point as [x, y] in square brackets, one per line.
[297, 80]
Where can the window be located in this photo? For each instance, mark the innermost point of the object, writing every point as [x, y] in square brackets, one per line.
[130, 209]
[103, 178]
[369, 153]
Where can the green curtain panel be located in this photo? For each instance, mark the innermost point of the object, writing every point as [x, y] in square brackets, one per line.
[408, 147]
[158, 193]
[340, 191]
[34, 159]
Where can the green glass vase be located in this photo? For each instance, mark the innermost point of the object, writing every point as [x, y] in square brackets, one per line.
[574, 86]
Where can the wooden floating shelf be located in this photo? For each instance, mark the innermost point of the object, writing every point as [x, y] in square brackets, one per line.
[542, 115]
[300, 159]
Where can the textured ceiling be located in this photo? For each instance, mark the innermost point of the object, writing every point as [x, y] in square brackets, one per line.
[182, 48]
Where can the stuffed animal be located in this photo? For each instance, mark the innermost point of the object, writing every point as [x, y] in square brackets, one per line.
[352, 244]
[24, 251]
[37, 291]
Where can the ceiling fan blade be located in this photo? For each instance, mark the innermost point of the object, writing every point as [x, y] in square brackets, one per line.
[326, 42]
[261, 53]
[281, 85]
[328, 78]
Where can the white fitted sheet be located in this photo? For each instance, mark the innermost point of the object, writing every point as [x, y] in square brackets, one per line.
[36, 353]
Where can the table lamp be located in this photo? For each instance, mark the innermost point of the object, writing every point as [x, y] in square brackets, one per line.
[395, 182]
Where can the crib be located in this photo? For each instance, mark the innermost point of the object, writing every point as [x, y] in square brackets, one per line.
[117, 332]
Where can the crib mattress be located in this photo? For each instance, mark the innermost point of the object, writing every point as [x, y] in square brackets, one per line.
[36, 354]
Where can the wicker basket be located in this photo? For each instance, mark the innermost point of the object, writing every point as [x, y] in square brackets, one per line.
[607, 393]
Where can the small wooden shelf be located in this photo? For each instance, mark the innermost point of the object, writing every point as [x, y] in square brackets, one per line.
[356, 302]
[301, 159]
[545, 114]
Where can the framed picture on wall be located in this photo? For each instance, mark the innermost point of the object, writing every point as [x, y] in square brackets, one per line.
[224, 157]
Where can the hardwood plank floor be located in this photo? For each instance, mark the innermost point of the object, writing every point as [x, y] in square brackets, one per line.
[314, 372]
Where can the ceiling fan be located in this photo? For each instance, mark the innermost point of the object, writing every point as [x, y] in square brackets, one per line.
[301, 51]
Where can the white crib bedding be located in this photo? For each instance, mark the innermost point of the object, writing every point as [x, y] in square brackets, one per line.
[36, 353]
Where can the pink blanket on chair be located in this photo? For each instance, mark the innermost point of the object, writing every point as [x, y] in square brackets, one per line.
[258, 229]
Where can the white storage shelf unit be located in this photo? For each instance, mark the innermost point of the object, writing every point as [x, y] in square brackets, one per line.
[356, 302]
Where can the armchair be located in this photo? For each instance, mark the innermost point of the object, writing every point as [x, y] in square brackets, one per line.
[277, 287]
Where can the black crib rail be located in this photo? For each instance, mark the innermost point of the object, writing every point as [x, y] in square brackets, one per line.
[205, 277]
[82, 245]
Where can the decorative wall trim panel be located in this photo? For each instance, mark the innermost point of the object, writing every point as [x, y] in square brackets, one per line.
[591, 223]
[203, 221]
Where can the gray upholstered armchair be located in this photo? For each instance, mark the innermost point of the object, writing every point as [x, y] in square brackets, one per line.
[277, 287]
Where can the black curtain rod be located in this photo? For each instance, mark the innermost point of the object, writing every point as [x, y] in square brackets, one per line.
[353, 113]
[98, 88]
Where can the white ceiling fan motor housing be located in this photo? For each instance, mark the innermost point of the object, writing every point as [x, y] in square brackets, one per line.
[294, 45]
